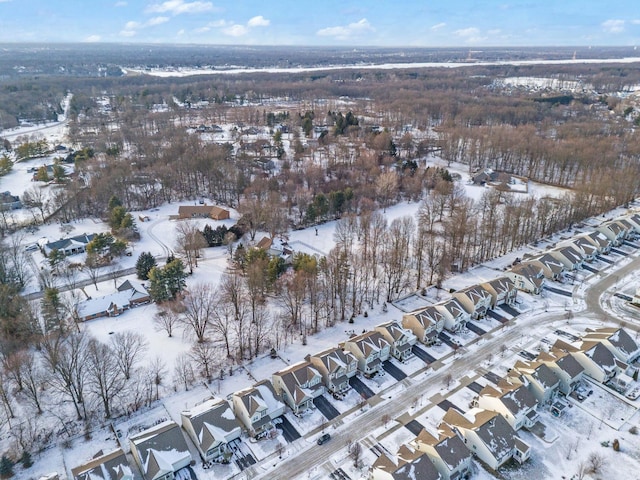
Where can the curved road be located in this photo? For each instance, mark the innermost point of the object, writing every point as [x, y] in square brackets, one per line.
[311, 457]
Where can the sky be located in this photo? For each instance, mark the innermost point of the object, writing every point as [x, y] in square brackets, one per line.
[420, 23]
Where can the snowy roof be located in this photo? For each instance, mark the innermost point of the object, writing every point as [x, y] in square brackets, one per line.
[160, 447]
[537, 370]
[449, 446]
[96, 306]
[475, 293]
[453, 307]
[110, 466]
[213, 422]
[335, 358]
[78, 240]
[408, 464]
[301, 375]
[617, 337]
[550, 262]
[500, 285]
[428, 316]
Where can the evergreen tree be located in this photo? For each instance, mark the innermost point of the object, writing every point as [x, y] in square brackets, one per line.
[144, 264]
[26, 459]
[6, 467]
[165, 283]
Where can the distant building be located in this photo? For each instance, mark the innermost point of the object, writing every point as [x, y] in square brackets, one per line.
[203, 211]
[9, 202]
[69, 246]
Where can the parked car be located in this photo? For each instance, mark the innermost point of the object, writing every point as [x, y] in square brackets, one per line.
[633, 394]
[324, 439]
[31, 248]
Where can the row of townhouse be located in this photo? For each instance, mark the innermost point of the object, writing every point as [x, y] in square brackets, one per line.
[571, 254]
[488, 430]
[470, 303]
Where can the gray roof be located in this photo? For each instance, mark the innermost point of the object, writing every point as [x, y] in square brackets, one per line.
[497, 435]
[66, 242]
[111, 466]
[519, 399]
[212, 421]
[501, 285]
[545, 375]
[157, 443]
[570, 365]
[429, 315]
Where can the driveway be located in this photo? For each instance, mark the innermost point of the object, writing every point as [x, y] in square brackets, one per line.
[359, 386]
[475, 329]
[289, 432]
[414, 427]
[475, 387]
[422, 354]
[394, 371]
[446, 405]
[323, 404]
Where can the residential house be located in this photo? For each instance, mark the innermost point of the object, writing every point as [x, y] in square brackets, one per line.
[425, 324]
[584, 246]
[371, 349]
[298, 385]
[203, 211]
[488, 436]
[9, 202]
[160, 451]
[408, 464]
[512, 400]
[568, 256]
[476, 300]
[447, 452]
[336, 367]
[401, 339]
[613, 231]
[256, 407]
[552, 269]
[601, 241]
[130, 294]
[502, 291]
[617, 340]
[596, 359]
[625, 225]
[634, 221]
[69, 246]
[455, 315]
[212, 426]
[564, 366]
[538, 378]
[485, 176]
[109, 466]
[527, 277]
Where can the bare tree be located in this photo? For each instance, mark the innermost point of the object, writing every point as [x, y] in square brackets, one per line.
[355, 450]
[105, 378]
[199, 308]
[183, 371]
[168, 316]
[233, 296]
[35, 198]
[33, 380]
[158, 370]
[128, 348]
[204, 355]
[67, 358]
[595, 461]
[190, 242]
[583, 470]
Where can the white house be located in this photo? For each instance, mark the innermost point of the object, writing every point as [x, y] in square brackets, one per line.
[298, 385]
[512, 400]
[455, 315]
[408, 464]
[109, 466]
[426, 324]
[502, 290]
[257, 407]
[564, 366]
[476, 300]
[447, 451]
[527, 277]
[336, 367]
[401, 339]
[371, 349]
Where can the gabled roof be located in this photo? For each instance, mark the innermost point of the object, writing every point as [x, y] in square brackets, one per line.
[111, 466]
[261, 397]
[570, 253]
[213, 421]
[585, 245]
[408, 464]
[530, 272]
[515, 397]
[78, 240]
[600, 355]
[475, 293]
[160, 447]
[428, 316]
[335, 358]
[395, 330]
[617, 337]
[369, 342]
[539, 371]
[449, 446]
[101, 305]
[491, 427]
[599, 238]
[453, 307]
[500, 285]
[550, 262]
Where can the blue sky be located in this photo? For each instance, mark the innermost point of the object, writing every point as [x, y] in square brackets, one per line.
[427, 23]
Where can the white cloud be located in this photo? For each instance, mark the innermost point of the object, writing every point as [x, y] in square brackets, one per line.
[127, 33]
[236, 30]
[613, 26]
[181, 32]
[92, 38]
[176, 7]
[120, 4]
[470, 35]
[635, 22]
[438, 26]
[132, 25]
[258, 21]
[495, 31]
[343, 32]
[156, 21]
